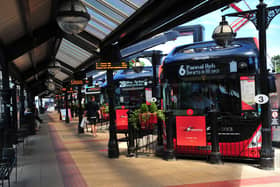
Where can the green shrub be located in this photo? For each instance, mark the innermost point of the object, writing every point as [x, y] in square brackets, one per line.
[153, 107]
[161, 115]
[133, 118]
[144, 108]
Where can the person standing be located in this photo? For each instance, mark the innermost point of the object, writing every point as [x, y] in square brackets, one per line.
[91, 113]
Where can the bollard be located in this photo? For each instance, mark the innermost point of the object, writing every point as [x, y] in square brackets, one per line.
[215, 155]
[131, 146]
[169, 152]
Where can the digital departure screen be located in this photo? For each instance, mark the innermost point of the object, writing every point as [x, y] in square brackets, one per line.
[110, 65]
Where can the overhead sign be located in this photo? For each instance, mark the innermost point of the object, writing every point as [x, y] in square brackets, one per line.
[261, 99]
[93, 90]
[135, 83]
[78, 82]
[110, 65]
[69, 90]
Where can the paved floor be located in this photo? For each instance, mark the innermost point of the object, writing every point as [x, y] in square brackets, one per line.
[57, 156]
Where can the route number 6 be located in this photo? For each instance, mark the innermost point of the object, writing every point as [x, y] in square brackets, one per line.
[182, 70]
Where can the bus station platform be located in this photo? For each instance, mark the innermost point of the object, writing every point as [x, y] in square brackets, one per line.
[58, 156]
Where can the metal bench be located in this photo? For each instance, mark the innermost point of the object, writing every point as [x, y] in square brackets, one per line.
[7, 163]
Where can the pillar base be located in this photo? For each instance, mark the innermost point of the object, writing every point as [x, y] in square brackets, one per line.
[215, 158]
[113, 151]
[80, 130]
[267, 159]
[169, 155]
[267, 163]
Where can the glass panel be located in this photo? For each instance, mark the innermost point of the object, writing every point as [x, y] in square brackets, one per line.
[74, 50]
[118, 6]
[136, 3]
[132, 98]
[75, 47]
[71, 52]
[104, 10]
[65, 57]
[75, 57]
[94, 15]
[99, 27]
[95, 32]
[202, 96]
[61, 76]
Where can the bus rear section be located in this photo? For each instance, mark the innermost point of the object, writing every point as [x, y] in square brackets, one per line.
[202, 78]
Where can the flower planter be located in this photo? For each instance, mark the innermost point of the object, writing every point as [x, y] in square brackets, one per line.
[144, 120]
[153, 118]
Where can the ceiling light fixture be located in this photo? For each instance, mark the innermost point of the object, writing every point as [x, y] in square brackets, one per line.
[72, 17]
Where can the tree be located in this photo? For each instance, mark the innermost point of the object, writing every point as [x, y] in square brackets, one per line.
[276, 62]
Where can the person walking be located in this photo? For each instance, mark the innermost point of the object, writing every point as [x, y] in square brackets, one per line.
[91, 113]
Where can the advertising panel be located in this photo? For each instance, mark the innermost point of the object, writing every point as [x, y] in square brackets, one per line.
[121, 119]
[191, 130]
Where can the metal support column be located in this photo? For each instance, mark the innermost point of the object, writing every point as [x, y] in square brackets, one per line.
[113, 147]
[156, 57]
[22, 104]
[267, 153]
[215, 155]
[169, 152]
[80, 110]
[261, 18]
[6, 98]
[66, 107]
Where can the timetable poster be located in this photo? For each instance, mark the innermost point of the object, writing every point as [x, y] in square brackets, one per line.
[247, 87]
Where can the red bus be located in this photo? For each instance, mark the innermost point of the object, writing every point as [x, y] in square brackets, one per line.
[203, 77]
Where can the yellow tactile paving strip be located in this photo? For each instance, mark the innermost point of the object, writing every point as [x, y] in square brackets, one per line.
[90, 156]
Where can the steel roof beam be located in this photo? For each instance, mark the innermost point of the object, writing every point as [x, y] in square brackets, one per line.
[82, 44]
[145, 24]
[27, 43]
[90, 38]
[43, 65]
[67, 66]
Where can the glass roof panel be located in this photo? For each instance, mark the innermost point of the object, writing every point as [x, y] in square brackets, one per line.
[75, 47]
[94, 15]
[61, 76]
[107, 15]
[118, 6]
[95, 32]
[71, 46]
[71, 54]
[100, 8]
[99, 27]
[135, 3]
